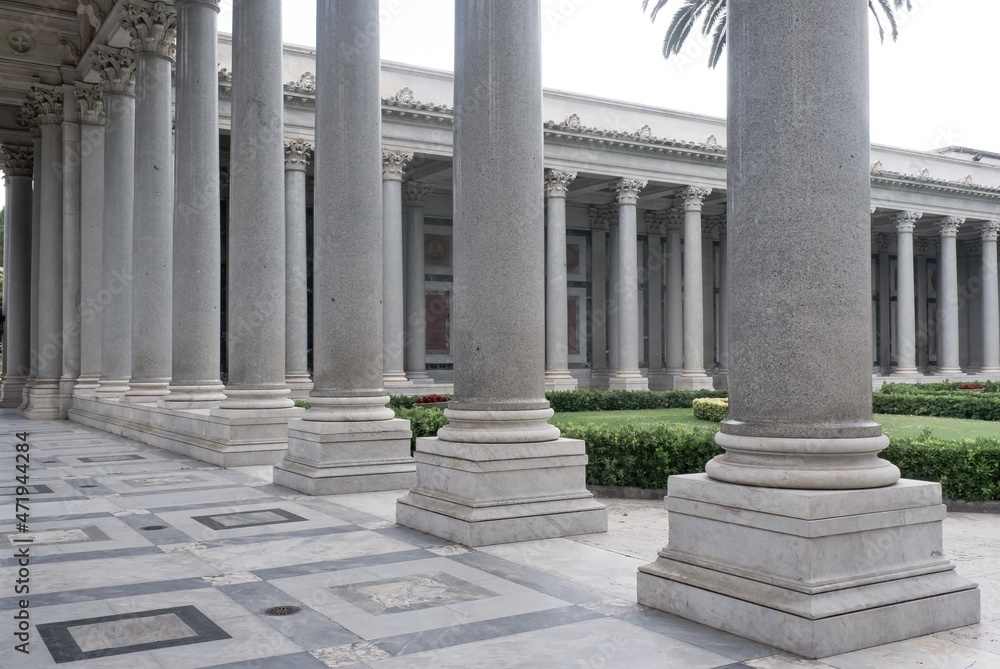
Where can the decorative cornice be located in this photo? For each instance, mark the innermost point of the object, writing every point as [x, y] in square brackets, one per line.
[603, 216]
[557, 183]
[950, 225]
[305, 84]
[404, 96]
[415, 193]
[394, 164]
[153, 29]
[17, 161]
[694, 197]
[628, 190]
[298, 154]
[48, 102]
[906, 220]
[90, 100]
[988, 230]
[117, 71]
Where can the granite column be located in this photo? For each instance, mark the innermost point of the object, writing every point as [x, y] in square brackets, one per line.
[17, 165]
[498, 472]
[724, 302]
[800, 490]
[557, 376]
[693, 377]
[674, 302]
[906, 319]
[393, 308]
[118, 74]
[349, 440]
[627, 375]
[991, 300]
[256, 311]
[655, 227]
[30, 116]
[415, 198]
[92, 299]
[599, 372]
[298, 153]
[948, 362]
[195, 358]
[71, 187]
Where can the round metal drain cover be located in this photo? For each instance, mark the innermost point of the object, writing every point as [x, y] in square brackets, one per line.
[149, 528]
[281, 610]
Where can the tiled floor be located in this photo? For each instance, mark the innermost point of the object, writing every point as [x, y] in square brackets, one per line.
[143, 558]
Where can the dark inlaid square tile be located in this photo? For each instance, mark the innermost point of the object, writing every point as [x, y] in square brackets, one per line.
[34, 489]
[155, 481]
[410, 593]
[65, 535]
[111, 458]
[231, 521]
[88, 638]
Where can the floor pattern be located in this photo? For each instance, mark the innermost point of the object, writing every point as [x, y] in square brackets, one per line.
[141, 558]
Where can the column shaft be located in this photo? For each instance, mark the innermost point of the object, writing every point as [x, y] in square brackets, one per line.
[948, 362]
[71, 186]
[416, 303]
[599, 303]
[694, 375]
[991, 299]
[256, 291]
[613, 295]
[674, 361]
[297, 156]
[393, 308]
[884, 311]
[627, 375]
[906, 328]
[921, 314]
[17, 166]
[723, 301]
[557, 376]
[708, 295]
[36, 226]
[654, 261]
[152, 241]
[93, 300]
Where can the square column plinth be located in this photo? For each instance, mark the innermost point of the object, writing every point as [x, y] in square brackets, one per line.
[814, 572]
[483, 494]
[336, 457]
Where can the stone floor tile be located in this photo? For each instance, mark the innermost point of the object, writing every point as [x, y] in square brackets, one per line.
[926, 651]
[349, 655]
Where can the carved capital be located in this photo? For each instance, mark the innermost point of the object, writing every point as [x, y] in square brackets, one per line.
[709, 229]
[394, 164]
[90, 100]
[883, 243]
[557, 183]
[628, 190]
[415, 194]
[950, 225]
[974, 247]
[27, 117]
[675, 219]
[988, 231]
[906, 220]
[656, 222]
[117, 71]
[694, 197]
[48, 103]
[17, 161]
[923, 244]
[602, 217]
[298, 154]
[153, 29]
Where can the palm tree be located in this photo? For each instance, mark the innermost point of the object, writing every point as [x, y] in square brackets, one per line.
[713, 16]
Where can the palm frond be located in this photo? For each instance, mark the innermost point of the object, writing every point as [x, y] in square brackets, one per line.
[718, 40]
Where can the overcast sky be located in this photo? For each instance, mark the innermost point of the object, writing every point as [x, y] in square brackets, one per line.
[936, 86]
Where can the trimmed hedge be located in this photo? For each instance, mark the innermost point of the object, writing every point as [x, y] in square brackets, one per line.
[967, 469]
[643, 456]
[714, 409]
[936, 387]
[624, 400]
[424, 421]
[943, 403]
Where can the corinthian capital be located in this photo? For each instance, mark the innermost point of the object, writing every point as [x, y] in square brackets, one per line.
[603, 216]
[988, 231]
[117, 71]
[90, 100]
[628, 190]
[974, 247]
[298, 154]
[694, 197]
[394, 163]
[950, 225]
[153, 28]
[675, 219]
[48, 103]
[17, 161]
[557, 183]
[906, 220]
[415, 193]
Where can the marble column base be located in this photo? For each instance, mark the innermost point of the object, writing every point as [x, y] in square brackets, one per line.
[721, 379]
[336, 457]
[66, 386]
[479, 494]
[111, 388]
[12, 391]
[206, 396]
[950, 373]
[146, 392]
[43, 401]
[694, 381]
[391, 380]
[818, 572]
[660, 379]
[560, 380]
[630, 380]
[599, 378]
[419, 377]
[300, 383]
[25, 394]
[86, 386]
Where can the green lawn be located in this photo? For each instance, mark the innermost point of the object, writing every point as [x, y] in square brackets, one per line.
[895, 426]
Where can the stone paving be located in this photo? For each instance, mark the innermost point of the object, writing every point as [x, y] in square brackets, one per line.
[141, 558]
